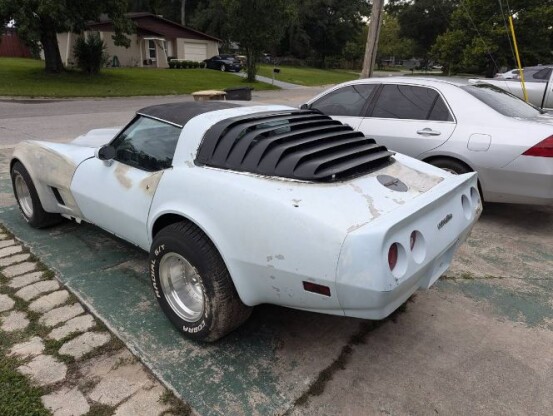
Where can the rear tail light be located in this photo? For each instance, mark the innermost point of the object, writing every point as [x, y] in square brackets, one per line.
[392, 256]
[543, 148]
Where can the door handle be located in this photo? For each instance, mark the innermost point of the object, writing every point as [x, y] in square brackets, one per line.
[428, 132]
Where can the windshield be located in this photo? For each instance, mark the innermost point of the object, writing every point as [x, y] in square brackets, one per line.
[502, 101]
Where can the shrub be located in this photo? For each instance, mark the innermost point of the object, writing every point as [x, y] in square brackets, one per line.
[172, 64]
[90, 53]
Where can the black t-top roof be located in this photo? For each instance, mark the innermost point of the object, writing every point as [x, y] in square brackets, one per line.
[180, 113]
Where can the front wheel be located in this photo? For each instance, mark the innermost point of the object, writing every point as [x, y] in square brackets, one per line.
[28, 200]
[223, 68]
[192, 284]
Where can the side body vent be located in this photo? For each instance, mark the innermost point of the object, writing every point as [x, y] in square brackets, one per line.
[297, 144]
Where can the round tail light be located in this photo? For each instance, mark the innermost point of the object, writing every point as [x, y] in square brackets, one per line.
[392, 256]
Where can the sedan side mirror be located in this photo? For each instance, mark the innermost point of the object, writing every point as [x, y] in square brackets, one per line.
[304, 107]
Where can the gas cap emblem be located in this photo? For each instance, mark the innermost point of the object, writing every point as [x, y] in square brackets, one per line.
[392, 183]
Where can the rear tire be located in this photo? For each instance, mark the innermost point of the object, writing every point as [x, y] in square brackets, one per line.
[450, 165]
[192, 284]
[28, 200]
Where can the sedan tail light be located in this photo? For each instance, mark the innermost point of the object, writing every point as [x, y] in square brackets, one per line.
[543, 148]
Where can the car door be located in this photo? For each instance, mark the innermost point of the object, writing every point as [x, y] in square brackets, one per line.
[347, 103]
[408, 119]
[116, 195]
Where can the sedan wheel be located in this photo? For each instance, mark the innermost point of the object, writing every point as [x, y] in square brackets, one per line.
[450, 165]
[223, 68]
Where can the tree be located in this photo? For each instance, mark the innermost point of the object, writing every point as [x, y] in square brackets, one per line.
[256, 25]
[390, 42]
[422, 20]
[478, 38]
[39, 21]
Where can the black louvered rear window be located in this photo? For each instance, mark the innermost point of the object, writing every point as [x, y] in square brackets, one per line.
[297, 144]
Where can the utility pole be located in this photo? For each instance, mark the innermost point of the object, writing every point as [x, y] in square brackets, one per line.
[372, 39]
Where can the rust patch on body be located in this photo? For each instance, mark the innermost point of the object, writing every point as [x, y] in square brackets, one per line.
[121, 175]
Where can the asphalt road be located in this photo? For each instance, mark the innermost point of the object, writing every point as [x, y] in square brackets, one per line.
[478, 342]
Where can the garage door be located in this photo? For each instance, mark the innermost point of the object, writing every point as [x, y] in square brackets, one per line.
[195, 51]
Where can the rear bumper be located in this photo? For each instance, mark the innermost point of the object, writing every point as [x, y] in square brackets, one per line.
[374, 304]
[526, 180]
[366, 286]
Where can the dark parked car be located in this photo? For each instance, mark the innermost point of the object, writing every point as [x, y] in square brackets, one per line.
[224, 63]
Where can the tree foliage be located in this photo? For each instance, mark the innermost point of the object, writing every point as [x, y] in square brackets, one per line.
[38, 22]
[256, 25]
[478, 37]
[422, 21]
[390, 42]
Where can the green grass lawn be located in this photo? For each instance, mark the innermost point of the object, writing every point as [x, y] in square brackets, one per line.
[26, 77]
[308, 76]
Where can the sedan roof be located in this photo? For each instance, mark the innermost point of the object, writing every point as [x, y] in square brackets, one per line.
[179, 114]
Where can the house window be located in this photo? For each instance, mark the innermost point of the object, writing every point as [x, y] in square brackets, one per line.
[152, 50]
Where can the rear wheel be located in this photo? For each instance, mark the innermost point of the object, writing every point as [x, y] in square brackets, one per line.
[193, 285]
[451, 166]
[28, 200]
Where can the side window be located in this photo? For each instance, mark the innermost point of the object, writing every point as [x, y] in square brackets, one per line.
[147, 144]
[410, 102]
[347, 101]
[440, 112]
[542, 74]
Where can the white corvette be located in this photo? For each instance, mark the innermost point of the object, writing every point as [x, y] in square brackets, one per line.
[240, 206]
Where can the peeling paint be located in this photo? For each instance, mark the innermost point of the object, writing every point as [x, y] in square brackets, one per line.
[414, 179]
[121, 174]
[356, 227]
[149, 183]
[49, 168]
[279, 257]
[370, 203]
[269, 258]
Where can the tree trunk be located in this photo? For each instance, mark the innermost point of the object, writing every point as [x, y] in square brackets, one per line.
[182, 12]
[251, 64]
[52, 57]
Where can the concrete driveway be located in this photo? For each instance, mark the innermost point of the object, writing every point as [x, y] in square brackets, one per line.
[478, 342]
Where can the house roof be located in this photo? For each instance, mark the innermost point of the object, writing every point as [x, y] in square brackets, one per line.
[151, 24]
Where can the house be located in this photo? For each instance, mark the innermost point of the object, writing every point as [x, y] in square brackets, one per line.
[11, 45]
[156, 41]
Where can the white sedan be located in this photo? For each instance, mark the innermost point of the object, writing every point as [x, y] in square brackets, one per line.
[460, 128]
[240, 206]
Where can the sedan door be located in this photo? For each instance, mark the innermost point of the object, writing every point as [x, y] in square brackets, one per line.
[408, 119]
[116, 195]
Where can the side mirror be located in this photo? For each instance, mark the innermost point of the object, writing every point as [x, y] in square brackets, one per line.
[304, 107]
[106, 152]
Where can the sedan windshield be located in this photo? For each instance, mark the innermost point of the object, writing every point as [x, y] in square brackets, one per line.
[502, 101]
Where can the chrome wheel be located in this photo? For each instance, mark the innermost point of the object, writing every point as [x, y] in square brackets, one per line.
[182, 287]
[23, 196]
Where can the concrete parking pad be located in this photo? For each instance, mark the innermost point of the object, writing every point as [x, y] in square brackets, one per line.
[477, 342]
[260, 369]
